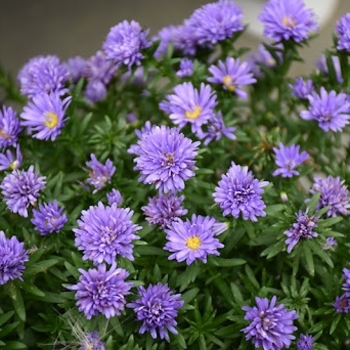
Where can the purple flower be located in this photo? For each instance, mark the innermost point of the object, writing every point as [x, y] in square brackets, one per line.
[165, 158]
[49, 218]
[343, 33]
[346, 284]
[330, 242]
[105, 232]
[43, 74]
[287, 159]
[188, 105]
[232, 75]
[305, 342]
[287, 20]
[323, 67]
[238, 192]
[333, 193]
[12, 258]
[329, 109]
[100, 174]
[21, 189]
[45, 115]
[75, 67]
[99, 68]
[301, 88]
[124, 43]
[194, 239]
[102, 291]
[95, 91]
[114, 197]
[91, 341]
[9, 161]
[157, 309]
[184, 38]
[186, 68]
[9, 127]
[342, 304]
[165, 36]
[163, 209]
[271, 327]
[303, 228]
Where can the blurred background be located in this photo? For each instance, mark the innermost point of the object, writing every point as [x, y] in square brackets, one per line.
[78, 27]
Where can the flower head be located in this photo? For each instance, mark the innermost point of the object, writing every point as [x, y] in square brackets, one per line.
[99, 69]
[287, 20]
[12, 258]
[346, 284]
[186, 68]
[157, 308]
[194, 239]
[330, 242]
[305, 342]
[301, 88]
[9, 161]
[102, 291]
[239, 193]
[21, 189]
[287, 159]
[105, 232]
[49, 218]
[324, 68]
[9, 127]
[271, 327]
[343, 33]
[95, 91]
[114, 197]
[45, 115]
[75, 67]
[92, 341]
[165, 36]
[342, 304]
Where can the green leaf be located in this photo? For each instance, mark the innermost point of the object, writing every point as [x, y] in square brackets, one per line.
[274, 250]
[149, 250]
[237, 295]
[17, 301]
[72, 269]
[40, 266]
[251, 276]
[5, 317]
[181, 341]
[13, 345]
[321, 253]
[328, 222]
[335, 322]
[30, 288]
[272, 210]
[222, 262]
[52, 298]
[313, 202]
[189, 295]
[8, 329]
[309, 259]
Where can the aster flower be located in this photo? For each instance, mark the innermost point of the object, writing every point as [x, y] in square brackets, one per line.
[9, 161]
[102, 291]
[232, 75]
[194, 239]
[114, 197]
[75, 67]
[186, 68]
[157, 308]
[333, 193]
[342, 304]
[239, 193]
[99, 68]
[287, 159]
[287, 20]
[95, 91]
[9, 127]
[45, 115]
[185, 38]
[188, 105]
[322, 65]
[301, 88]
[92, 341]
[329, 109]
[303, 228]
[346, 284]
[343, 33]
[106, 232]
[124, 43]
[21, 189]
[165, 36]
[12, 257]
[330, 242]
[305, 342]
[163, 209]
[100, 174]
[49, 218]
[271, 327]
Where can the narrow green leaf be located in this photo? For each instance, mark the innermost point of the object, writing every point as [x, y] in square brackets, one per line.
[13, 345]
[309, 259]
[189, 295]
[72, 269]
[313, 202]
[251, 276]
[149, 250]
[181, 341]
[222, 262]
[17, 301]
[8, 329]
[272, 210]
[5, 317]
[335, 322]
[40, 266]
[30, 288]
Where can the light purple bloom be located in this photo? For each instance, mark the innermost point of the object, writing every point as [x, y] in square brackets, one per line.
[329, 109]
[342, 304]
[9, 161]
[239, 193]
[186, 68]
[100, 174]
[114, 197]
[91, 341]
[163, 209]
[49, 218]
[188, 105]
[157, 309]
[343, 33]
[95, 91]
[75, 67]
[9, 127]
[12, 258]
[271, 327]
[99, 68]
[305, 342]
[20, 189]
[287, 159]
[330, 242]
[346, 284]
[303, 228]
[322, 65]
[287, 20]
[194, 239]
[301, 88]
[102, 291]
[185, 38]
[106, 232]
[165, 158]
[45, 115]
[165, 36]
[232, 75]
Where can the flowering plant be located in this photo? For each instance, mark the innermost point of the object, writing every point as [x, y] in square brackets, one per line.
[179, 192]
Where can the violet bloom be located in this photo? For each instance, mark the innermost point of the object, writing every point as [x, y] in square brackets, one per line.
[124, 43]
[45, 115]
[157, 308]
[287, 20]
[99, 68]
[49, 218]
[12, 257]
[100, 174]
[9, 161]
[75, 67]
[333, 193]
[163, 209]
[43, 74]
[343, 33]
[194, 239]
[232, 75]
[20, 189]
[106, 232]
[303, 228]
[91, 341]
[9, 127]
[165, 158]
[271, 327]
[189, 106]
[165, 36]
[305, 342]
[95, 91]
[287, 159]
[114, 197]
[342, 304]
[330, 242]
[185, 38]
[239, 193]
[322, 65]
[329, 109]
[301, 88]
[346, 284]
[186, 68]
[102, 291]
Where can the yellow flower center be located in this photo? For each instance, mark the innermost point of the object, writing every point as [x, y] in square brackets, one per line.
[289, 21]
[229, 83]
[51, 120]
[193, 242]
[195, 114]
[14, 165]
